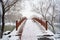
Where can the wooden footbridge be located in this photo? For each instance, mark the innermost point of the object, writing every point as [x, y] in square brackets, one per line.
[23, 20]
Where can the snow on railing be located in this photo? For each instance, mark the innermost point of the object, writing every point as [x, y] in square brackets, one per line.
[15, 34]
[42, 22]
[19, 23]
[20, 27]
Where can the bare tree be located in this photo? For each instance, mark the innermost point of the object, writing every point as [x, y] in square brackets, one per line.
[44, 10]
[6, 7]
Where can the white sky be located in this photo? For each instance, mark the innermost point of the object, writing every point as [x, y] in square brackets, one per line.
[27, 11]
[28, 7]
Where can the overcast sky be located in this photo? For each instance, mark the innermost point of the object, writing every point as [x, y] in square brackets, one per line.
[27, 11]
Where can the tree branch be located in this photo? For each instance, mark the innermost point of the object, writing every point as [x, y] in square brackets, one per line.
[9, 6]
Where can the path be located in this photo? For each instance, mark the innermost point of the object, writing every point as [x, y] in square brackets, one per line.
[32, 30]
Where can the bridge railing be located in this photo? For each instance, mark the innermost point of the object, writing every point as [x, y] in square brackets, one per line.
[20, 25]
[42, 22]
[19, 22]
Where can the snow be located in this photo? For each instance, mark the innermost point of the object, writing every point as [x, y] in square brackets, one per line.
[31, 31]
[7, 32]
[9, 23]
[12, 34]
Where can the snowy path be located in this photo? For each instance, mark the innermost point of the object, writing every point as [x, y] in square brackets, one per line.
[31, 31]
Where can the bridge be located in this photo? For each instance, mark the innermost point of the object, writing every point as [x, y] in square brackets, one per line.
[31, 29]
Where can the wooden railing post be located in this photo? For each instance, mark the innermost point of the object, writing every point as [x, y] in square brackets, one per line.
[46, 25]
[16, 25]
[19, 23]
[43, 23]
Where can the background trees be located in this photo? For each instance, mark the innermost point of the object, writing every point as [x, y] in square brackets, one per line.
[6, 5]
[48, 10]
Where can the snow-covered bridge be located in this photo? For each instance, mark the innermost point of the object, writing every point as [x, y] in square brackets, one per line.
[29, 29]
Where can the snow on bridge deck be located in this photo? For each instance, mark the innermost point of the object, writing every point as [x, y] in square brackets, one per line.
[31, 31]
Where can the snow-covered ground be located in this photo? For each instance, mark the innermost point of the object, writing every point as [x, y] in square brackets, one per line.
[31, 32]
[11, 36]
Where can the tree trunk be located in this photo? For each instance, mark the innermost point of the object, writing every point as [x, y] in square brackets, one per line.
[52, 23]
[3, 13]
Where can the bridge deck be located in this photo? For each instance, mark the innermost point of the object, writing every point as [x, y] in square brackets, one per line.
[31, 31]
